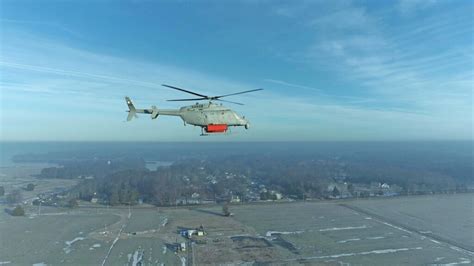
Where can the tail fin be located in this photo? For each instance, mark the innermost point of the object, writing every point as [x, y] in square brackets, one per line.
[132, 112]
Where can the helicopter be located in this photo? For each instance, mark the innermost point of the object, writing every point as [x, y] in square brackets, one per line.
[211, 117]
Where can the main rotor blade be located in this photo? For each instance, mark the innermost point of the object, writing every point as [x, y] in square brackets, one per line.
[229, 102]
[242, 92]
[179, 100]
[190, 92]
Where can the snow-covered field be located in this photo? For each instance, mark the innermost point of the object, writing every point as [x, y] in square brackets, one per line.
[310, 232]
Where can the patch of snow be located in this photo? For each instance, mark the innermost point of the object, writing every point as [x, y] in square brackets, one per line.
[164, 250]
[368, 218]
[464, 251]
[348, 240]
[375, 237]
[396, 227]
[94, 246]
[68, 248]
[137, 258]
[439, 258]
[74, 240]
[343, 228]
[379, 251]
[434, 241]
[463, 261]
[5, 262]
[165, 222]
[385, 251]
[183, 261]
[40, 264]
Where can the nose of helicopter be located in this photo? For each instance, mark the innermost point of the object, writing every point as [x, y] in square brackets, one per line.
[245, 122]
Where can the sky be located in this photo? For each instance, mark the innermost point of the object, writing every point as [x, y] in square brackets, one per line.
[331, 70]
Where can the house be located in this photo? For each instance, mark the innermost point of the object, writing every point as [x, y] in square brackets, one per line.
[94, 200]
[234, 199]
[186, 201]
[208, 201]
[189, 233]
[181, 247]
[338, 191]
[276, 195]
[193, 201]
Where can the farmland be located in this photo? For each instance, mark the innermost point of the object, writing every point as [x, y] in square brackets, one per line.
[328, 232]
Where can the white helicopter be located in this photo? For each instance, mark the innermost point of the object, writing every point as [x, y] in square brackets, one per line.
[212, 118]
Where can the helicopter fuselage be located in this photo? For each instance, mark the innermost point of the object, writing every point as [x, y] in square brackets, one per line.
[213, 118]
[210, 114]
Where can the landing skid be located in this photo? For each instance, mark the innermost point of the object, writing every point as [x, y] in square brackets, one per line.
[202, 132]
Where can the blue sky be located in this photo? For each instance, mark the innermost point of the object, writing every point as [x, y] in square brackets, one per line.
[332, 70]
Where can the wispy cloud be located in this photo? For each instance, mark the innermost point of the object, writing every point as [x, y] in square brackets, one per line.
[409, 7]
[388, 89]
[351, 18]
[77, 74]
[50, 24]
[281, 82]
[404, 68]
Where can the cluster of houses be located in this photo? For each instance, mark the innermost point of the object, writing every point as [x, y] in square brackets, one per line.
[196, 199]
[342, 190]
[190, 234]
[267, 195]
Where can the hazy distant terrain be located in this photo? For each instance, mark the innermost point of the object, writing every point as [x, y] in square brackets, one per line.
[329, 203]
[252, 171]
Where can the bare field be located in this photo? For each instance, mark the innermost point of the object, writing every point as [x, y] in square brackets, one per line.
[327, 232]
[368, 232]
[445, 216]
[55, 237]
[19, 175]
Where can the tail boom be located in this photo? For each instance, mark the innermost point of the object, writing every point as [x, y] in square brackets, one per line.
[153, 111]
